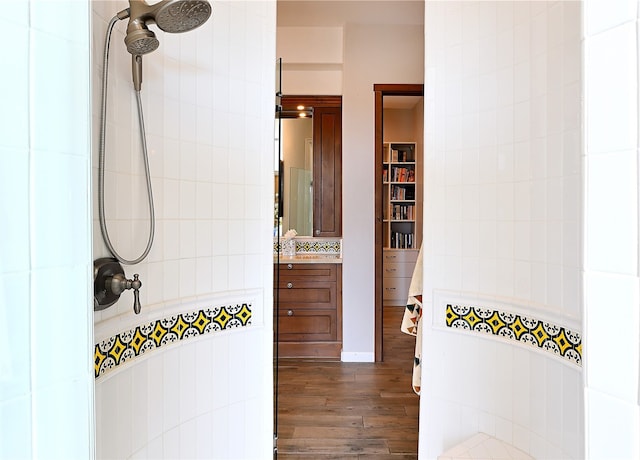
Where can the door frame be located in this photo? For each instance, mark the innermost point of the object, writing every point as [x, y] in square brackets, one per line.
[380, 91]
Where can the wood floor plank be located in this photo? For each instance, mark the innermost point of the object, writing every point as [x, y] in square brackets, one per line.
[333, 446]
[385, 433]
[320, 419]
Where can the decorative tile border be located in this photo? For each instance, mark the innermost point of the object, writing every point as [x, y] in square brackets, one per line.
[314, 246]
[526, 330]
[118, 349]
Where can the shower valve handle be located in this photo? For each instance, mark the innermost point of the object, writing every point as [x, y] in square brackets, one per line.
[136, 294]
[119, 284]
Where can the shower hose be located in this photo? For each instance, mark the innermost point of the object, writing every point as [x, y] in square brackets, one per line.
[101, 161]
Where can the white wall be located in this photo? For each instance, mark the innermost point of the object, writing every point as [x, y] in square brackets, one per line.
[373, 54]
[46, 380]
[312, 59]
[503, 202]
[611, 233]
[208, 97]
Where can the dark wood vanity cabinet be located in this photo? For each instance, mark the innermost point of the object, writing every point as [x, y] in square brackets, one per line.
[310, 310]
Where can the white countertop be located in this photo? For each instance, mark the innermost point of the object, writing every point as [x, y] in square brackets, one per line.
[309, 259]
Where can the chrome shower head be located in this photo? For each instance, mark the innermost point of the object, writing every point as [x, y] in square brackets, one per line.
[178, 16]
[174, 16]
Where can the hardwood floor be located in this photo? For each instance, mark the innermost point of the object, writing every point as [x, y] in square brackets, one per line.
[367, 411]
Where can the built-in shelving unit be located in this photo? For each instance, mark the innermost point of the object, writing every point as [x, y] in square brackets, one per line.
[399, 195]
[401, 219]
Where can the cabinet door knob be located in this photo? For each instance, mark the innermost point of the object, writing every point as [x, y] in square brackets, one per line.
[289, 266]
[290, 313]
[289, 285]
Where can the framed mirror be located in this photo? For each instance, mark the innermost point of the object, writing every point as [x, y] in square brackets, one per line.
[297, 169]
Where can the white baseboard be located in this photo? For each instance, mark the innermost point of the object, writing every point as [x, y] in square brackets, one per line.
[357, 357]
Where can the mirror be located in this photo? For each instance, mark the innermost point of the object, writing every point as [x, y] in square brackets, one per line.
[297, 158]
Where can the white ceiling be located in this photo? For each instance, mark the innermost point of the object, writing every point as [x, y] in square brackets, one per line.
[327, 13]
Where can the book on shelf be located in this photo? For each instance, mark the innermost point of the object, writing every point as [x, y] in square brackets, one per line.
[402, 174]
[402, 193]
[401, 240]
[402, 212]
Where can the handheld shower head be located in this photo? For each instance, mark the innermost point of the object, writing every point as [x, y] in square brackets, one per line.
[140, 40]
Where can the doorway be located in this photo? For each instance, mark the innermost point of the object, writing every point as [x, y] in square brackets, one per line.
[382, 91]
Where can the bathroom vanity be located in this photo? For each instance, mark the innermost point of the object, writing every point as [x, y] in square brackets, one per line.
[310, 306]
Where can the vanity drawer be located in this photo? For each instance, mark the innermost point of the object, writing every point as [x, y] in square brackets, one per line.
[296, 324]
[398, 270]
[396, 288]
[307, 272]
[308, 295]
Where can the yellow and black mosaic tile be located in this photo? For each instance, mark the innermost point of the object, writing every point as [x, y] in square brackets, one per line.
[534, 332]
[118, 349]
[304, 246]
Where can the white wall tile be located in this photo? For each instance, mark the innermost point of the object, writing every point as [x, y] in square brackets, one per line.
[139, 405]
[14, 115]
[601, 15]
[154, 396]
[16, 427]
[611, 88]
[612, 178]
[59, 420]
[171, 388]
[609, 298]
[14, 175]
[606, 439]
[188, 368]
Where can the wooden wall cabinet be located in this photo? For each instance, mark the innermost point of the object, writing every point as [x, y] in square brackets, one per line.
[310, 312]
[327, 171]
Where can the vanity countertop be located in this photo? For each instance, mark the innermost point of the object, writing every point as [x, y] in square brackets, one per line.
[310, 259]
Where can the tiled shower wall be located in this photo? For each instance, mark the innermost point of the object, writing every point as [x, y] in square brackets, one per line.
[611, 218]
[208, 101]
[46, 384]
[503, 175]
